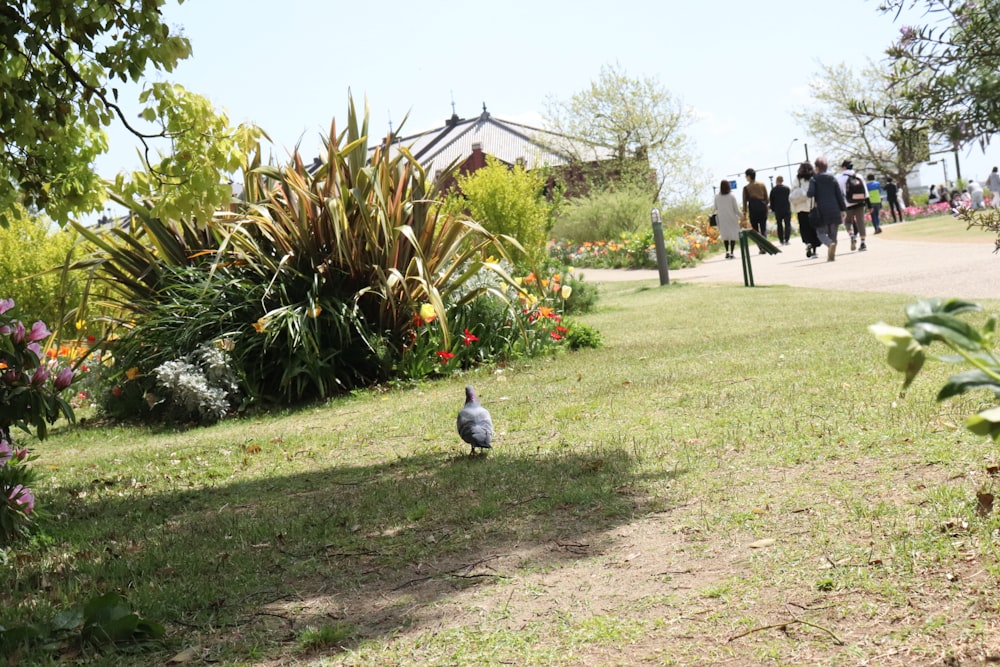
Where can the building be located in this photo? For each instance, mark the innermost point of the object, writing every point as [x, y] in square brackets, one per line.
[466, 143]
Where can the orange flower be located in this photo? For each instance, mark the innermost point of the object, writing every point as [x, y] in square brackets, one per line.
[260, 325]
[545, 311]
[132, 373]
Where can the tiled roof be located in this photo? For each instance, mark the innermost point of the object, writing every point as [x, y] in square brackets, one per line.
[506, 140]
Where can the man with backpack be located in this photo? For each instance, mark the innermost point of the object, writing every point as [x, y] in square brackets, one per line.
[856, 196]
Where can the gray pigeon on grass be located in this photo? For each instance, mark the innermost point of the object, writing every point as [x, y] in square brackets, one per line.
[474, 423]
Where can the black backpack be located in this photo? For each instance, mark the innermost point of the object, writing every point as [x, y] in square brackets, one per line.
[855, 190]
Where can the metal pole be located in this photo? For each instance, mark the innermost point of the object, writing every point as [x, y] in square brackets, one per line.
[661, 249]
[806, 146]
[788, 160]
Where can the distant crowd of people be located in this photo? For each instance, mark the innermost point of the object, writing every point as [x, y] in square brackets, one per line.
[822, 202]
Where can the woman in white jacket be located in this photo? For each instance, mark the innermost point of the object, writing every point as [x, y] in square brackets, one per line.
[727, 209]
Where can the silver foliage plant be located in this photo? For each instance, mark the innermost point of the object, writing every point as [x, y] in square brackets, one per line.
[201, 385]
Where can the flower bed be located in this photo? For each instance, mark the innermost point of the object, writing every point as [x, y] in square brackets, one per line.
[635, 251]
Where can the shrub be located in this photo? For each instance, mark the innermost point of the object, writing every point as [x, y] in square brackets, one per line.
[604, 214]
[31, 253]
[508, 201]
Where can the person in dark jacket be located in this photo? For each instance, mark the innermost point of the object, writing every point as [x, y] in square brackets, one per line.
[755, 203]
[782, 210]
[892, 196]
[830, 206]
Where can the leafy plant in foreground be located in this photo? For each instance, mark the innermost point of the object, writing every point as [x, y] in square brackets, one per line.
[104, 620]
[936, 320]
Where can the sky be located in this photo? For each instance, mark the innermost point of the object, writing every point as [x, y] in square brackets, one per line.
[740, 67]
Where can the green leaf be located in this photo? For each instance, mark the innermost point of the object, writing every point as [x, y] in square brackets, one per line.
[947, 329]
[906, 355]
[971, 379]
[928, 307]
[986, 422]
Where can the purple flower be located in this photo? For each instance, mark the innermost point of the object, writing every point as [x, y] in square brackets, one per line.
[6, 453]
[5, 305]
[39, 331]
[5, 330]
[23, 496]
[17, 335]
[11, 377]
[39, 377]
[64, 378]
[36, 348]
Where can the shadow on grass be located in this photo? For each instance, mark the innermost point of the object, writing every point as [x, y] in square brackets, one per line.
[252, 563]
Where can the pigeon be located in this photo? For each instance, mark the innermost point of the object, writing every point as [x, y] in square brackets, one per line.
[474, 422]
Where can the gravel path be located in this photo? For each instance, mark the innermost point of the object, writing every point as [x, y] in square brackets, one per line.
[917, 268]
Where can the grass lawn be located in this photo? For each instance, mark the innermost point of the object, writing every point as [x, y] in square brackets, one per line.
[938, 229]
[732, 479]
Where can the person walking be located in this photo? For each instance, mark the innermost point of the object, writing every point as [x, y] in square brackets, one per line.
[993, 183]
[856, 196]
[892, 196]
[801, 205]
[830, 206]
[782, 209]
[727, 211]
[755, 203]
[874, 201]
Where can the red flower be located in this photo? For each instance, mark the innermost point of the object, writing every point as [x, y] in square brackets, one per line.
[559, 332]
[445, 355]
[116, 391]
[469, 338]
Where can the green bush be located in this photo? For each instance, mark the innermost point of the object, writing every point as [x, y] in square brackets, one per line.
[604, 214]
[508, 201]
[31, 249]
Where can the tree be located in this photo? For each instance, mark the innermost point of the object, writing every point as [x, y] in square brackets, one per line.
[841, 125]
[944, 75]
[637, 122]
[59, 64]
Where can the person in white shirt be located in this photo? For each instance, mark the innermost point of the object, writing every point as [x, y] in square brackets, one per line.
[993, 183]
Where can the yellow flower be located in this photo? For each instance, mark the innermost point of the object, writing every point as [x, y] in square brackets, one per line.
[566, 291]
[260, 325]
[132, 373]
[81, 324]
[427, 312]
[314, 312]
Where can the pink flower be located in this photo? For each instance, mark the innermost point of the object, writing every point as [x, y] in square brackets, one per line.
[17, 335]
[39, 377]
[23, 496]
[6, 453]
[39, 331]
[64, 378]
[5, 305]
[36, 348]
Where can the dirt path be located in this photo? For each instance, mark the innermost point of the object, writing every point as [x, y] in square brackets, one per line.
[920, 268]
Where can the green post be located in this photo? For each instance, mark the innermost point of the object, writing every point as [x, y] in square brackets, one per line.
[661, 249]
[745, 259]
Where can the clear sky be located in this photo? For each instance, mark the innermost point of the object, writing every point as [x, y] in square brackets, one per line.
[741, 66]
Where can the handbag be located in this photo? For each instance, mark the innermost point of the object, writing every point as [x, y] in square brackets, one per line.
[815, 218]
[713, 220]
